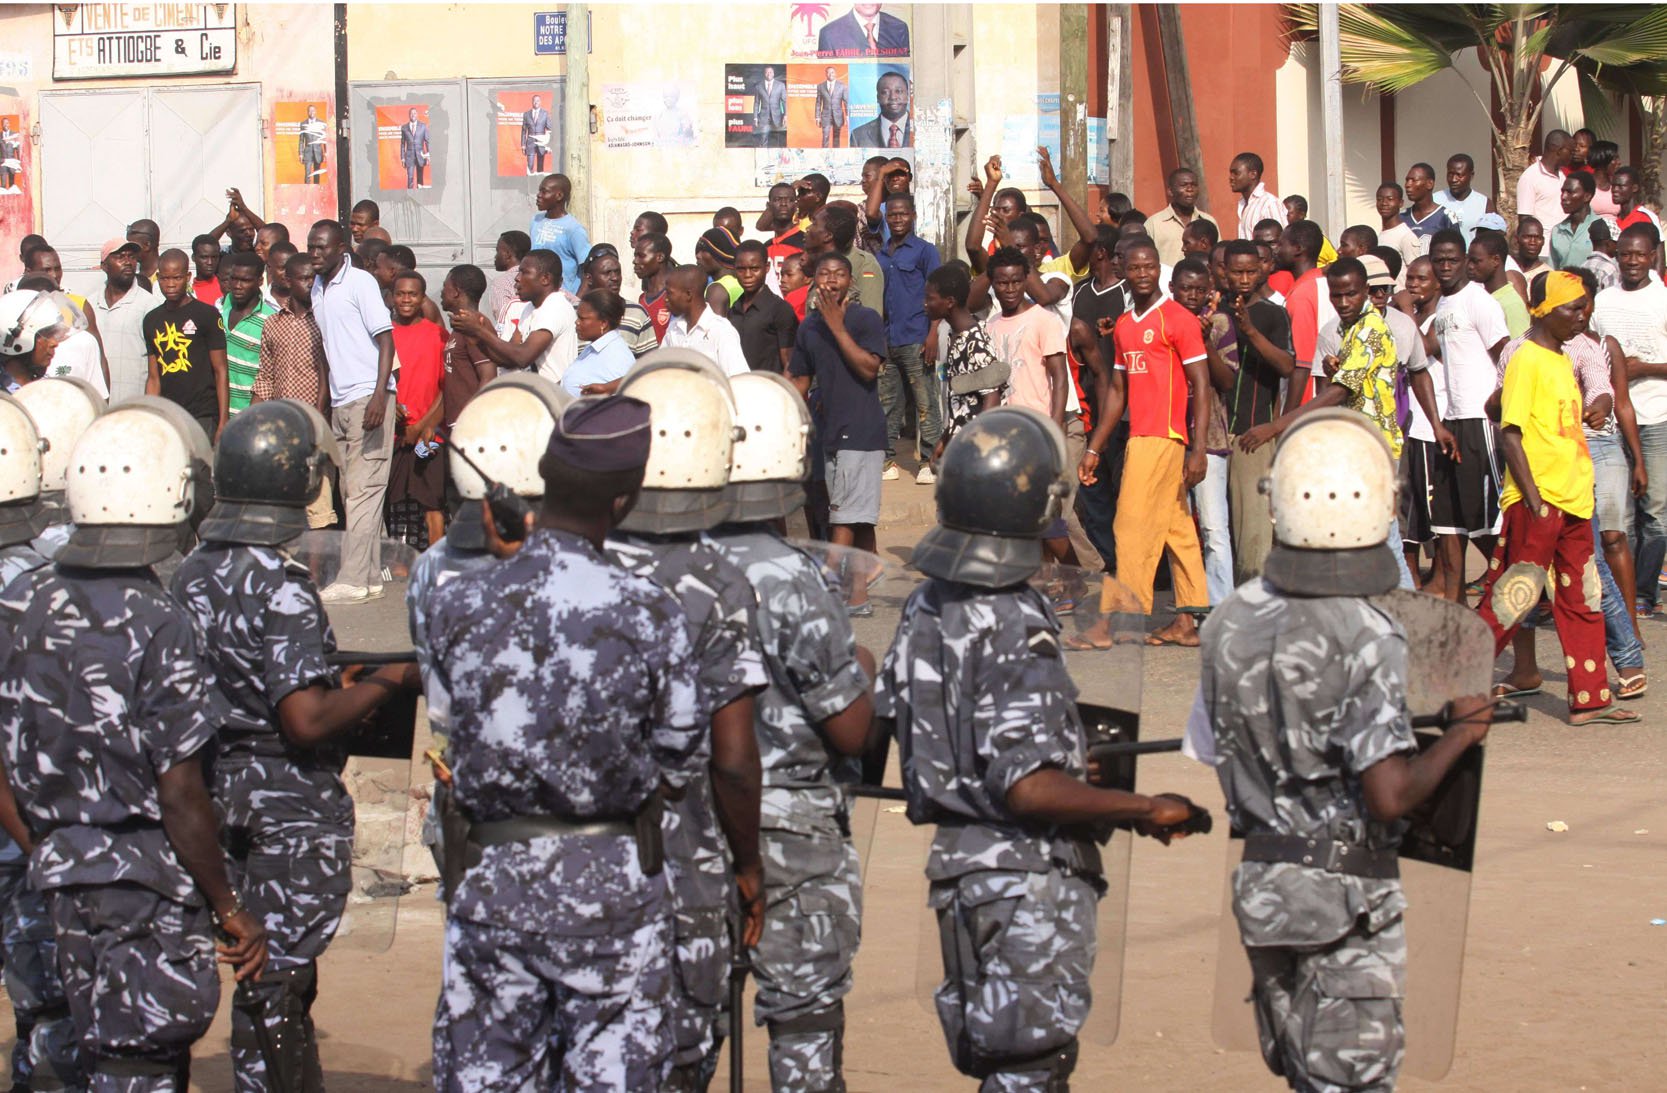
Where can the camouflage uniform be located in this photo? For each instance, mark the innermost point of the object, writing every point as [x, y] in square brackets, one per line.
[1303, 695]
[434, 569]
[812, 879]
[573, 694]
[44, 1029]
[286, 819]
[721, 609]
[981, 698]
[102, 688]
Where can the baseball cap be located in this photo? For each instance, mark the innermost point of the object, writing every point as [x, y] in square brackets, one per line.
[1377, 272]
[1491, 222]
[111, 246]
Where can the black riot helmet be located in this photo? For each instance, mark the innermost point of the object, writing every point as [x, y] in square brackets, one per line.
[268, 466]
[1002, 481]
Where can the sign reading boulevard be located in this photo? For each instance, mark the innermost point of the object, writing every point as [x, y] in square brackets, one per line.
[92, 41]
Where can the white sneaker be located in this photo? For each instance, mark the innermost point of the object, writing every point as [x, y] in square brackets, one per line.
[891, 473]
[345, 593]
[925, 477]
[373, 591]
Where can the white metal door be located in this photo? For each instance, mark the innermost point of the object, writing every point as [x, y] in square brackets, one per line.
[203, 140]
[95, 163]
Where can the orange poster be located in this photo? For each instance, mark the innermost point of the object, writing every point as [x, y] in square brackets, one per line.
[301, 138]
[526, 134]
[403, 157]
[11, 154]
[818, 105]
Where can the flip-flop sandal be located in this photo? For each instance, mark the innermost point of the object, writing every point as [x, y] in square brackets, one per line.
[1613, 716]
[1081, 645]
[1636, 687]
[1155, 640]
[1503, 690]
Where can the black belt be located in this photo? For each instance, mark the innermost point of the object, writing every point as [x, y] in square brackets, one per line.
[1327, 854]
[526, 828]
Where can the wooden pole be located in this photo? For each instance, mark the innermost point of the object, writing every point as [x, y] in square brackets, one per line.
[1183, 120]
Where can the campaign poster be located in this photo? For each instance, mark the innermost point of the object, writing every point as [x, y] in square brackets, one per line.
[11, 154]
[840, 32]
[526, 134]
[755, 105]
[404, 156]
[301, 133]
[648, 115]
[818, 105]
[882, 105]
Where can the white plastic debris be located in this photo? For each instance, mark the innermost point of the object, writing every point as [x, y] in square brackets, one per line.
[1557, 825]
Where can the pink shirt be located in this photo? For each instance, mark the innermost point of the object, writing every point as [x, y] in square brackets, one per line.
[1540, 195]
[1023, 341]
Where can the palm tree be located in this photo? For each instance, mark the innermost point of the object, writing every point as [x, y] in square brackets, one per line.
[1607, 48]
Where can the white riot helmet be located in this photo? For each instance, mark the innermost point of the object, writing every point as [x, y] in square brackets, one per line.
[767, 473]
[504, 429]
[1332, 496]
[24, 314]
[139, 479]
[694, 433]
[22, 515]
[62, 407]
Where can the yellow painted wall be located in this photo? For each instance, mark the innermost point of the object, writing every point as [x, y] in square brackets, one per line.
[445, 41]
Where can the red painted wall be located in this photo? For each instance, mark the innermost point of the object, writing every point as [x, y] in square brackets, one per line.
[1233, 51]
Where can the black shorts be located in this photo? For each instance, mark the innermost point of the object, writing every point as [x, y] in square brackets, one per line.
[1416, 459]
[1464, 496]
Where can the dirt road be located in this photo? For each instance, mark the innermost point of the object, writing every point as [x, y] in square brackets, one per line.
[1564, 976]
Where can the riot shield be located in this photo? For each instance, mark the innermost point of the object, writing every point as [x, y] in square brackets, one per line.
[1449, 654]
[382, 749]
[1102, 650]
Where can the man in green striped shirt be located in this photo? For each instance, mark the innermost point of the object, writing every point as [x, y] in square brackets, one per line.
[243, 312]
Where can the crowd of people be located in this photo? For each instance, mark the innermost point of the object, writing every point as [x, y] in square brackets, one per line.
[1169, 349]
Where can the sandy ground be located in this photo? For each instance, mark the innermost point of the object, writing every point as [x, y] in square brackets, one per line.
[1563, 983]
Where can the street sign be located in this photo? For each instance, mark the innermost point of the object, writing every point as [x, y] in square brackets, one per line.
[549, 32]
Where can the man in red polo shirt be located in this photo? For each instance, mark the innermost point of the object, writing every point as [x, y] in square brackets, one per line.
[1160, 355]
[1308, 302]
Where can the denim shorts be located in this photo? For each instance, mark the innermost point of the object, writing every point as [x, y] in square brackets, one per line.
[1614, 481]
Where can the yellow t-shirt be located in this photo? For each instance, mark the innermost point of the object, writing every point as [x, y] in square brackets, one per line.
[1062, 264]
[1542, 399]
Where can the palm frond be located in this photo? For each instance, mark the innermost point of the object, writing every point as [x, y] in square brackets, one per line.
[1641, 41]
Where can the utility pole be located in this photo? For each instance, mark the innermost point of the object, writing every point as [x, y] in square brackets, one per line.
[576, 109]
[1331, 109]
[1183, 119]
[1120, 95]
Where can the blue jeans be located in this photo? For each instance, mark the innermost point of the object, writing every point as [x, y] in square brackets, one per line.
[1097, 504]
[904, 365]
[1215, 533]
[1650, 542]
[1618, 634]
[1400, 555]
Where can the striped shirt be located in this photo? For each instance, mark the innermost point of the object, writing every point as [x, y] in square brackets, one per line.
[292, 361]
[1258, 205]
[242, 351]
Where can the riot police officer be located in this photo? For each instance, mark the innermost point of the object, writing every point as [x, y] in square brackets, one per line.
[684, 495]
[106, 710]
[993, 752]
[37, 996]
[1303, 694]
[574, 700]
[812, 719]
[286, 817]
[502, 432]
[61, 407]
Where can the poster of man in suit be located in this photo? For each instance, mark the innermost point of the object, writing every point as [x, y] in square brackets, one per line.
[404, 156]
[884, 94]
[526, 146]
[755, 105]
[833, 106]
[863, 31]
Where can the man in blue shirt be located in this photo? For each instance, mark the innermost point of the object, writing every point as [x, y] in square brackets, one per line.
[556, 229]
[842, 347]
[907, 260]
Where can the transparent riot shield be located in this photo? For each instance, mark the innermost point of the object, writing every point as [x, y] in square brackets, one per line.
[382, 750]
[1449, 655]
[1101, 641]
